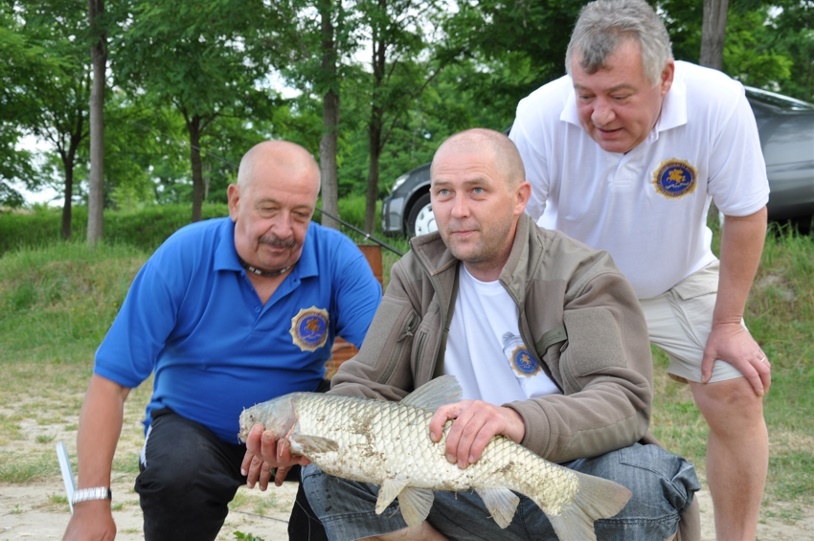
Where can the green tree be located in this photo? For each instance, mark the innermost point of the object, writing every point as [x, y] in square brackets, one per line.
[204, 58]
[24, 64]
[400, 33]
[511, 47]
[321, 38]
[59, 99]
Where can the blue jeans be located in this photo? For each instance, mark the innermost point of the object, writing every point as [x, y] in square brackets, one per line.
[662, 484]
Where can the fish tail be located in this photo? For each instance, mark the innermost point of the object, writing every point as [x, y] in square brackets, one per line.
[596, 498]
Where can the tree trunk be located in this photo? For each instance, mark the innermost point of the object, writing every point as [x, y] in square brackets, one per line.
[66, 205]
[330, 119]
[372, 192]
[713, 33]
[375, 127]
[327, 158]
[194, 128]
[96, 189]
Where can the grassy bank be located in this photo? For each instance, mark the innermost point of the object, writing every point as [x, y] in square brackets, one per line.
[58, 299]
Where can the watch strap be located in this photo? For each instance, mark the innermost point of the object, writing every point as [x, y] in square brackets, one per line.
[90, 494]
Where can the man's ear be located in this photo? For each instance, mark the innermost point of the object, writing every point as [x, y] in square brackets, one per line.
[666, 80]
[232, 197]
[523, 195]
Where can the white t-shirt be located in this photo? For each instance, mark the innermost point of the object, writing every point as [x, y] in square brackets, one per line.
[484, 349]
[648, 207]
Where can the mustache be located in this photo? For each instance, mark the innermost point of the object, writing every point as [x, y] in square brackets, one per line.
[277, 242]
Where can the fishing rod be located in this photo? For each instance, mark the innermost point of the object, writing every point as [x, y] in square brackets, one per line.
[357, 230]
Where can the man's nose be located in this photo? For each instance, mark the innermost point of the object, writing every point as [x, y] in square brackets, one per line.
[283, 225]
[603, 113]
[460, 206]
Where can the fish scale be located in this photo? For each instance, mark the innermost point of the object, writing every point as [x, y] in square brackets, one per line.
[388, 443]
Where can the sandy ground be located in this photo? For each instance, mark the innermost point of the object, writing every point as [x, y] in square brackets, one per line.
[39, 512]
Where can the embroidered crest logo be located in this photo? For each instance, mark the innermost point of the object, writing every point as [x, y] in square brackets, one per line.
[309, 328]
[523, 363]
[519, 357]
[675, 178]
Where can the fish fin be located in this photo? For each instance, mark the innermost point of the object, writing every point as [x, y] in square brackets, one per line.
[435, 393]
[415, 504]
[388, 491]
[307, 445]
[501, 503]
[596, 498]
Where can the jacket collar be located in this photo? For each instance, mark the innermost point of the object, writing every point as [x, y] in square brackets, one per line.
[437, 259]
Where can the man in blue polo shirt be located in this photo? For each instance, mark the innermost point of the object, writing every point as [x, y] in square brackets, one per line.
[225, 314]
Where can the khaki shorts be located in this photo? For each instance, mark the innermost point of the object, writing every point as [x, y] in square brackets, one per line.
[679, 322]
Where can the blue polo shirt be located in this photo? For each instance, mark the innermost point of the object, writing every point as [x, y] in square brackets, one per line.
[193, 319]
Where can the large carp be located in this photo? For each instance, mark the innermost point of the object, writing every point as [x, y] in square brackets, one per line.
[388, 443]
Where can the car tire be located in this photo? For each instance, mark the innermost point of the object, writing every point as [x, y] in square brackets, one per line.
[421, 219]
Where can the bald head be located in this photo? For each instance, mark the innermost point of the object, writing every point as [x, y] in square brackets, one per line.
[495, 145]
[282, 156]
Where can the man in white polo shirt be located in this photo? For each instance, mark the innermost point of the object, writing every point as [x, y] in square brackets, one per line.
[626, 153]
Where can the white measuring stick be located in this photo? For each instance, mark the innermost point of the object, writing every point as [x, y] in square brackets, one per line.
[67, 474]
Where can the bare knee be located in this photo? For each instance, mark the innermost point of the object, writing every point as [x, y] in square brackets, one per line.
[728, 405]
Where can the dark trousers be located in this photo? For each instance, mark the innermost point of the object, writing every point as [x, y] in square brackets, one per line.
[188, 477]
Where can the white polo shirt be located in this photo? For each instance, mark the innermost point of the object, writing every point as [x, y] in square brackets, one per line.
[648, 207]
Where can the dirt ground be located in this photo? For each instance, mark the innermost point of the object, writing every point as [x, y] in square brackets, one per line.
[39, 512]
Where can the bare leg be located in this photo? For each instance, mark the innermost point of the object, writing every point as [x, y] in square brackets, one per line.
[737, 455]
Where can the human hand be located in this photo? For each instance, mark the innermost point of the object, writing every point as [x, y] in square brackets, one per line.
[474, 425]
[264, 453]
[732, 343]
[91, 520]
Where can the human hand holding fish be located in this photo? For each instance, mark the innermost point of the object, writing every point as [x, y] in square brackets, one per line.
[267, 455]
[475, 423]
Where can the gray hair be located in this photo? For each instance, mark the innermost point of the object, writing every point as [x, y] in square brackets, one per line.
[604, 25]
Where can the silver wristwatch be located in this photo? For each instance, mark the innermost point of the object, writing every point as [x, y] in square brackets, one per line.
[89, 494]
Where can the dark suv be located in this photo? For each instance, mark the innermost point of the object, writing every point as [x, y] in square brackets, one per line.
[786, 128]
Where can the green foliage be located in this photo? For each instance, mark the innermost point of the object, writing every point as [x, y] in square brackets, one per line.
[146, 228]
[219, 69]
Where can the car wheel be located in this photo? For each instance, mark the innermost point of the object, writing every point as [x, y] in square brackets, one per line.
[421, 219]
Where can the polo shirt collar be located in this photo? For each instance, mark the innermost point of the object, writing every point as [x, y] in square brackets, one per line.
[225, 253]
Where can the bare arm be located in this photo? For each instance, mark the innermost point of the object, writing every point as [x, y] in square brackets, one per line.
[741, 248]
[100, 424]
